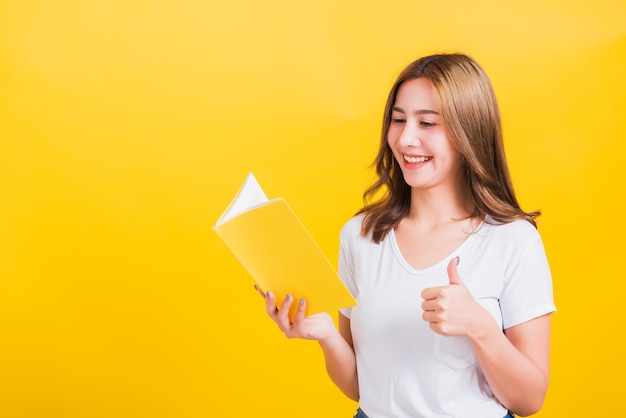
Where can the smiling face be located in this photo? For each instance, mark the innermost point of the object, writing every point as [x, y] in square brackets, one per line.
[418, 138]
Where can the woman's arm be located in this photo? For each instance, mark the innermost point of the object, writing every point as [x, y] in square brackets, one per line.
[341, 361]
[336, 344]
[515, 363]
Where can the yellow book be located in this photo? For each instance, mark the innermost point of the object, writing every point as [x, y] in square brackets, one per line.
[276, 249]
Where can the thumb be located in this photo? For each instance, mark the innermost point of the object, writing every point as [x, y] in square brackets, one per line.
[453, 274]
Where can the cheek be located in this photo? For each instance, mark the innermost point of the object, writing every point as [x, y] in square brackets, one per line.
[448, 148]
[392, 135]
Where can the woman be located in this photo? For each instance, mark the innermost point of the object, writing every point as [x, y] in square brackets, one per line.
[453, 287]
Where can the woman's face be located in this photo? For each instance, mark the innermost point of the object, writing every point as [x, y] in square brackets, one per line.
[419, 139]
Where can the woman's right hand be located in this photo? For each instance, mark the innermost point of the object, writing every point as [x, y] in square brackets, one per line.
[319, 327]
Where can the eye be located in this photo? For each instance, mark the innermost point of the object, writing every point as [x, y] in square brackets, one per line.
[426, 124]
[398, 120]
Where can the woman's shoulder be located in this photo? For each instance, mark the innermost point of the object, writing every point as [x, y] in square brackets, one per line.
[353, 241]
[352, 228]
[520, 231]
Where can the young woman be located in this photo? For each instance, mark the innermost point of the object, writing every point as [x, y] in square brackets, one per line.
[453, 287]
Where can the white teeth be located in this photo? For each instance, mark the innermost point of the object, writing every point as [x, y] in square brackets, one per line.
[415, 160]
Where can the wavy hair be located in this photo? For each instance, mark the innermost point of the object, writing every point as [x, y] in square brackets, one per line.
[472, 120]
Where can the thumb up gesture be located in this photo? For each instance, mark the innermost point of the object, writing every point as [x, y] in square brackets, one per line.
[451, 309]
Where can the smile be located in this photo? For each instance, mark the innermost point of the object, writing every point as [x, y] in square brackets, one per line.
[416, 160]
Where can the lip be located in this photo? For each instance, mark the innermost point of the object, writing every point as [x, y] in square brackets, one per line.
[415, 160]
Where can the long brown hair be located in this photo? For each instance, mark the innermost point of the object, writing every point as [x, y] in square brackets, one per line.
[471, 117]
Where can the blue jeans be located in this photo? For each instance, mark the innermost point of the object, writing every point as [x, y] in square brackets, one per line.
[361, 414]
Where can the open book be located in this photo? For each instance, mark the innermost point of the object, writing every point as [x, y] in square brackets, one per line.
[278, 252]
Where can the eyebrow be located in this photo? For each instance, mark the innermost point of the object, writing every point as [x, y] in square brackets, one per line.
[417, 112]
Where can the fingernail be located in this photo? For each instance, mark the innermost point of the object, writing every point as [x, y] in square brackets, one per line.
[301, 301]
[269, 293]
[458, 260]
[288, 296]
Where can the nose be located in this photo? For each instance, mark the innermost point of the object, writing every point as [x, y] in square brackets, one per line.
[409, 136]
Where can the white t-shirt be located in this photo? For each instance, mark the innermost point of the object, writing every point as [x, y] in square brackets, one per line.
[405, 369]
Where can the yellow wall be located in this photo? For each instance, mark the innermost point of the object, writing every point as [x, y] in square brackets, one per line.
[125, 127]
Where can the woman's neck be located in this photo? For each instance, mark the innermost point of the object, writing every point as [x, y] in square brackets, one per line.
[439, 206]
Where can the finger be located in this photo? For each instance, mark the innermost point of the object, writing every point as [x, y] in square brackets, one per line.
[431, 293]
[435, 326]
[299, 316]
[429, 317]
[453, 274]
[270, 304]
[282, 317]
[429, 305]
[260, 291]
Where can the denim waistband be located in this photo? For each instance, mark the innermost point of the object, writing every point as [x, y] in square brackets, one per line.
[361, 414]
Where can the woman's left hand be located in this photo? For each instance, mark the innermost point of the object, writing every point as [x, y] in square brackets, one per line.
[451, 309]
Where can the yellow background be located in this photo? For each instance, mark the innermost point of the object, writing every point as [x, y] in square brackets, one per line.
[127, 126]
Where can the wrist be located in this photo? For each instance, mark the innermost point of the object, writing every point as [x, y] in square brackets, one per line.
[331, 340]
[484, 329]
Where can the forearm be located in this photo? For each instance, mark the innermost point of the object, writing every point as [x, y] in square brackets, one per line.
[516, 380]
[341, 365]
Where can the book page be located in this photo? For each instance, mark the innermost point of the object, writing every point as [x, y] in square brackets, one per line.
[249, 196]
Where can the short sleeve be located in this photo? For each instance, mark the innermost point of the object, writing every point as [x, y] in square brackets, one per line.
[527, 292]
[346, 266]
